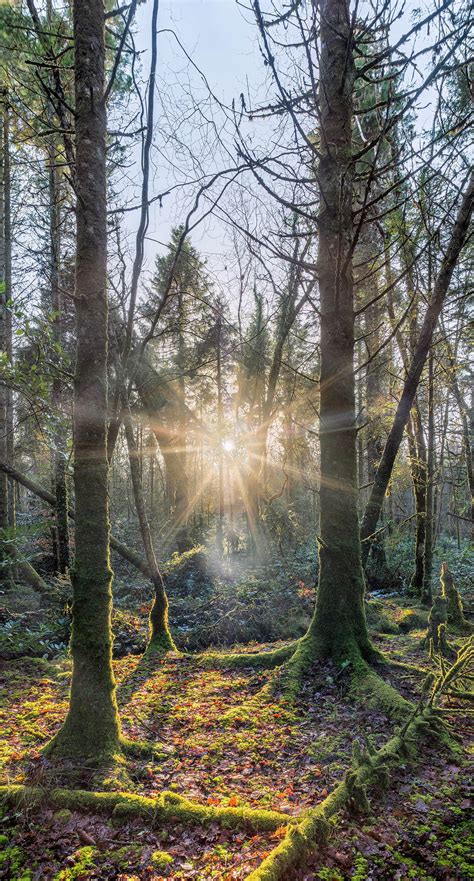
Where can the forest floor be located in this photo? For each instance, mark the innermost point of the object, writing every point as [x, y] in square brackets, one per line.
[287, 758]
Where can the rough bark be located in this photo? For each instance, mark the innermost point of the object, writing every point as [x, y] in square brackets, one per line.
[92, 727]
[441, 286]
[338, 627]
[426, 592]
[59, 457]
[5, 538]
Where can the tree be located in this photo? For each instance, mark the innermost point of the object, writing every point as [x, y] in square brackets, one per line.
[92, 726]
[338, 626]
[456, 242]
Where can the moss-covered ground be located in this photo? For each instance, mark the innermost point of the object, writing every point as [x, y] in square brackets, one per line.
[283, 757]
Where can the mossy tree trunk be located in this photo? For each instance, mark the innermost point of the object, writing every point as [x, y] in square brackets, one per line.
[92, 727]
[375, 398]
[59, 457]
[427, 591]
[418, 467]
[160, 637]
[6, 557]
[338, 627]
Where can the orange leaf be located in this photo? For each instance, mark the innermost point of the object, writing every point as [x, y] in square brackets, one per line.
[279, 833]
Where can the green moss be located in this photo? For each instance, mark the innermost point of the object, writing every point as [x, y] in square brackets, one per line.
[368, 686]
[380, 618]
[250, 660]
[326, 874]
[126, 856]
[168, 807]
[411, 619]
[12, 864]
[457, 850]
[161, 860]
[84, 858]
[62, 816]
[361, 866]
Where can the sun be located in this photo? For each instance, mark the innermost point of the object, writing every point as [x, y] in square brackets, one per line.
[228, 445]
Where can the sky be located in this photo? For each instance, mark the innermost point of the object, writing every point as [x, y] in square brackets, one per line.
[221, 38]
[222, 42]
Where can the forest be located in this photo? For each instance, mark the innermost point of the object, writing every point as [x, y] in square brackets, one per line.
[236, 440]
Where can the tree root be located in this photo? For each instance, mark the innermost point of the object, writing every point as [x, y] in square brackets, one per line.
[403, 665]
[251, 660]
[122, 806]
[371, 771]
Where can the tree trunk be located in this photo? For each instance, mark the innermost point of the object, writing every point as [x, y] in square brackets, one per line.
[374, 391]
[384, 471]
[59, 457]
[418, 467]
[220, 438]
[92, 726]
[8, 299]
[338, 628]
[5, 488]
[160, 636]
[426, 594]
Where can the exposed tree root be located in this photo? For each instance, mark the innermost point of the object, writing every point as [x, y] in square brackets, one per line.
[371, 771]
[255, 660]
[124, 806]
[403, 665]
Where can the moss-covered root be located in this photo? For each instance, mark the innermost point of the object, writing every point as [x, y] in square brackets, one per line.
[371, 771]
[292, 674]
[265, 660]
[167, 807]
[367, 686]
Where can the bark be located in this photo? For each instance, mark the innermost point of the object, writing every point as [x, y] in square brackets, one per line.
[160, 636]
[467, 426]
[5, 538]
[441, 286]
[59, 457]
[8, 298]
[375, 396]
[92, 726]
[418, 466]
[426, 593]
[220, 437]
[338, 627]
[416, 440]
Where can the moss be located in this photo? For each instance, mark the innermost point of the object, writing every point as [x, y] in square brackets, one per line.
[161, 860]
[360, 868]
[368, 686]
[84, 859]
[412, 619]
[126, 856]
[455, 611]
[252, 660]
[371, 770]
[168, 807]
[62, 816]
[12, 864]
[380, 618]
[457, 850]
